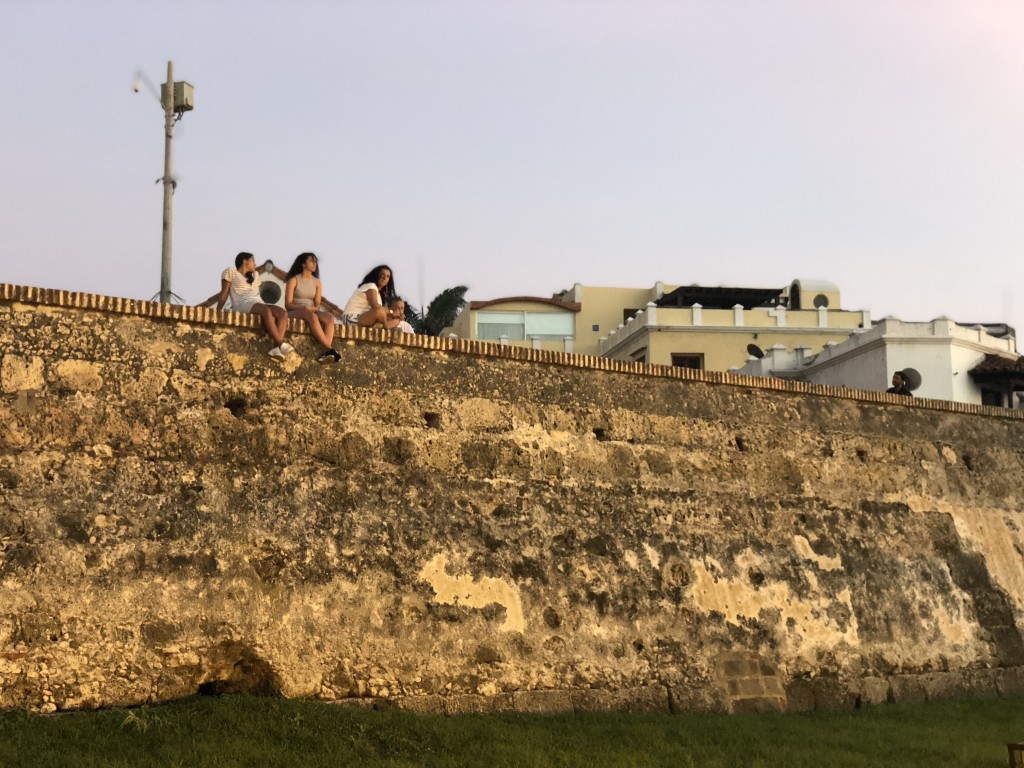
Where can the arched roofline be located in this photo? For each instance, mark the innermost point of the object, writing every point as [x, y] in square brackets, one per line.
[572, 306]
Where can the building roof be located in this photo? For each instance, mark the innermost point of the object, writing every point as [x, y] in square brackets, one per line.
[571, 306]
[999, 369]
[999, 330]
[720, 298]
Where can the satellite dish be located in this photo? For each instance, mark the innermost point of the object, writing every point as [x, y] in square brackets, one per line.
[913, 378]
[270, 293]
[755, 351]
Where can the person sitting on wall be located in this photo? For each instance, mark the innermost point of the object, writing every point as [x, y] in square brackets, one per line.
[302, 294]
[243, 285]
[396, 310]
[367, 307]
[899, 385]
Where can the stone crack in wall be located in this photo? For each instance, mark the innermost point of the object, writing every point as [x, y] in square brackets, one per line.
[451, 530]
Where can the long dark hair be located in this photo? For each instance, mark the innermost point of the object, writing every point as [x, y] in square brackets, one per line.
[300, 263]
[388, 290]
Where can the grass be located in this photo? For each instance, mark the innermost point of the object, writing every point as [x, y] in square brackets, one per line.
[244, 731]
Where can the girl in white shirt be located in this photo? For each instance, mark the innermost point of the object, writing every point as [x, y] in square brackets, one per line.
[367, 307]
[242, 284]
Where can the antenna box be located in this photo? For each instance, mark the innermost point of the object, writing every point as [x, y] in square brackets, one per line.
[183, 95]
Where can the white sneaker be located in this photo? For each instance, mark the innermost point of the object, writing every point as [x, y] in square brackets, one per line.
[286, 348]
[276, 352]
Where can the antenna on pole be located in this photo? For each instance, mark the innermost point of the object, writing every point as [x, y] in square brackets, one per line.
[176, 98]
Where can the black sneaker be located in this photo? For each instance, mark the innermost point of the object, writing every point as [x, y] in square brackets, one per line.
[334, 354]
[325, 357]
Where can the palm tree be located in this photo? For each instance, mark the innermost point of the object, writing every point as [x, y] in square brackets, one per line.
[441, 311]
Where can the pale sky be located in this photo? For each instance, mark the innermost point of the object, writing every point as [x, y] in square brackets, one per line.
[518, 147]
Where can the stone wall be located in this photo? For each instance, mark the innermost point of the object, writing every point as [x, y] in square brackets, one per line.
[454, 526]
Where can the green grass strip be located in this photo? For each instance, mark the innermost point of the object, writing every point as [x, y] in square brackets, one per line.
[240, 731]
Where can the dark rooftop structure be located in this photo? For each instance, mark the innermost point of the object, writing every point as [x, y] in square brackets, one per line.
[1000, 379]
[721, 298]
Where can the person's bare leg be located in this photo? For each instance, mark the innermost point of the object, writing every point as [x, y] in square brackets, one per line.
[371, 317]
[281, 320]
[327, 323]
[266, 314]
[315, 329]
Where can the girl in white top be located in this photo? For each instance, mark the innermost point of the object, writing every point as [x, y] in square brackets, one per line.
[367, 307]
[302, 295]
[242, 284]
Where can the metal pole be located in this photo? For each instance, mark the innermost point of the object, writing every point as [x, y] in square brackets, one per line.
[165, 252]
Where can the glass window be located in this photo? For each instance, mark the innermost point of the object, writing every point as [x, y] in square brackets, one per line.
[516, 326]
[693, 360]
[493, 325]
[555, 325]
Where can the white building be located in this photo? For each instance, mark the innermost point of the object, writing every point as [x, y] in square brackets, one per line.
[941, 354]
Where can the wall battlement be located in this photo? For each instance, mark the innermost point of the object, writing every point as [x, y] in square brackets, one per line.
[455, 526]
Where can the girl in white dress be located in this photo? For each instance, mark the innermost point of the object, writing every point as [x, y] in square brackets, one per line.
[367, 306]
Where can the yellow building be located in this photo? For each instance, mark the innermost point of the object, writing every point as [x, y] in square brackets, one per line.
[711, 328]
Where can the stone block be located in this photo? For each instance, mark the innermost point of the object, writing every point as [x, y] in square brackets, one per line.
[430, 704]
[474, 704]
[874, 690]
[536, 702]
[832, 693]
[981, 683]
[652, 698]
[697, 699]
[740, 667]
[907, 688]
[1009, 646]
[758, 704]
[799, 695]
[747, 686]
[943, 685]
[1010, 681]
[354, 702]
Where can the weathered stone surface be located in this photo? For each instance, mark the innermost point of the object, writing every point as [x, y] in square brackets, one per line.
[832, 693]
[650, 698]
[533, 702]
[181, 514]
[874, 690]
[800, 695]
[1010, 682]
[753, 704]
[697, 698]
[431, 704]
[907, 688]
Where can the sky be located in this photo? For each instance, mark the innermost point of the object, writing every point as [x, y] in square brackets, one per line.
[519, 146]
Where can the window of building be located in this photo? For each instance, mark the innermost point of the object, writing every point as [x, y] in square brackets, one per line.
[638, 356]
[525, 325]
[992, 397]
[693, 360]
[494, 325]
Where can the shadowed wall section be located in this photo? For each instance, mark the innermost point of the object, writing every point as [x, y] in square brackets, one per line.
[450, 526]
